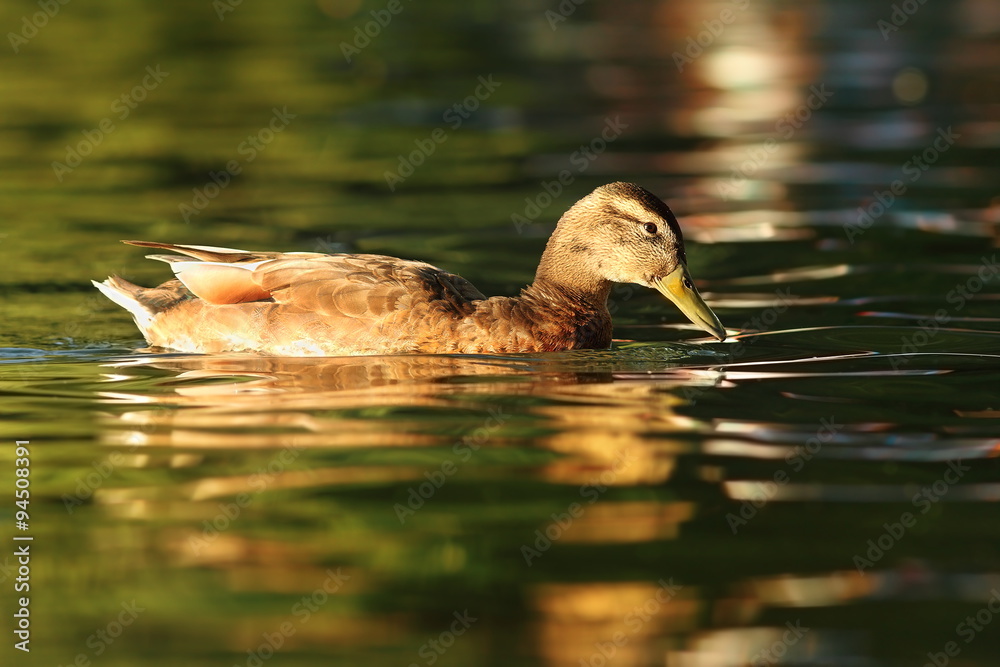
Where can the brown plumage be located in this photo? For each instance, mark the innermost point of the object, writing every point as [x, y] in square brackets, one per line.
[301, 303]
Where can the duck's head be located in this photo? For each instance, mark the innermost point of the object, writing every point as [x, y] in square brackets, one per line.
[623, 233]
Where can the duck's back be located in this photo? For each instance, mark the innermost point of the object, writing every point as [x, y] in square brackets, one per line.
[371, 304]
[295, 304]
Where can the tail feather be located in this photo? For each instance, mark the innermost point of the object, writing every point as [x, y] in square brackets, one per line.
[124, 293]
[204, 252]
[144, 303]
[169, 259]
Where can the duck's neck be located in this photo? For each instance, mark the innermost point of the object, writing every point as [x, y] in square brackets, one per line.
[565, 273]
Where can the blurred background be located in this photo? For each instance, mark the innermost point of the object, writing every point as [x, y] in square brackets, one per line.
[672, 501]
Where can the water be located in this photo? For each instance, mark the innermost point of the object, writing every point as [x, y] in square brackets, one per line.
[820, 489]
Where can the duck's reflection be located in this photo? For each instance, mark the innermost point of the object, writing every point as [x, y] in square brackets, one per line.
[590, 446]
[604, 433]
[248, 402]
[594, 433]
[280, 468]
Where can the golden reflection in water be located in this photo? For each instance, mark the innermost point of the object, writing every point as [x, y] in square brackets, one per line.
[220, 401]
[608, 434]
[602, 438]
[666, 622]
[622, 623]
[249, 402]
[609, 430]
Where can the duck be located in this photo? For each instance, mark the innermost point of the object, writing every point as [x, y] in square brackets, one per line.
[317, 304]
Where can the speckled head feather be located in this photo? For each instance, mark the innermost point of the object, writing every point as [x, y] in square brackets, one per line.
[299, 304]
[634, 201]
[606, 238]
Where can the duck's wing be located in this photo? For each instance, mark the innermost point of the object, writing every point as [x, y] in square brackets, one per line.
[296, 303]
[218, 275]
[362, 304]
[344, 302]
[362, 287]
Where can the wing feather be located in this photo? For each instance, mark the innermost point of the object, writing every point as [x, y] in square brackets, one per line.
[366, 288]
[219, 283]
[321, 303]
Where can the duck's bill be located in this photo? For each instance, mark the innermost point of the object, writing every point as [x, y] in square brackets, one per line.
[679, 288]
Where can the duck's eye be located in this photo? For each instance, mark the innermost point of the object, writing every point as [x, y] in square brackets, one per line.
[650, 227]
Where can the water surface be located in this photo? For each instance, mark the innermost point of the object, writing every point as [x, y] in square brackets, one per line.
[820, 489]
